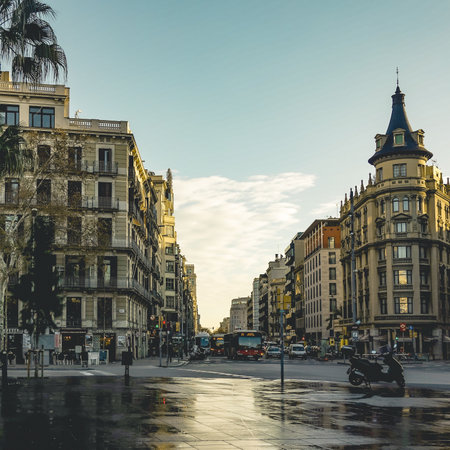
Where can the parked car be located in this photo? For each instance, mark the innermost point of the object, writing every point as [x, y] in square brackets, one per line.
[297, 351]
[273, 352]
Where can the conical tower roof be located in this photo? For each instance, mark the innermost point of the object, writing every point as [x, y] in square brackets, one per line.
[399, 122]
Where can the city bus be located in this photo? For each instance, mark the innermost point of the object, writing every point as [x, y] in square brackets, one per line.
[202, 341]
[244, 344]
[217, 345]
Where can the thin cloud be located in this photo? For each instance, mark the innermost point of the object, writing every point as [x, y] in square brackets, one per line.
[328, 209]
[228, 229]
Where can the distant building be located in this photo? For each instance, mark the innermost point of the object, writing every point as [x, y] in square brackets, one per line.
[238, 313]
[295, 256]
[276, 280]
[225, 324]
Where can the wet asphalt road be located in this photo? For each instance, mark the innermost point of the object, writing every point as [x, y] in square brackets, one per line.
[101, 412]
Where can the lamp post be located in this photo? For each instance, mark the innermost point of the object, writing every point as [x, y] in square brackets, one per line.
[33, 248]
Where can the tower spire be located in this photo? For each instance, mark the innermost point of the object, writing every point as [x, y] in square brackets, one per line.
[397, 76]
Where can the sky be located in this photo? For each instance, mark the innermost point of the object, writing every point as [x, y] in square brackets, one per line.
[265, 110]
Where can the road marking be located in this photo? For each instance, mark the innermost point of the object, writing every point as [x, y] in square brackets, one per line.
[84, 372]
[101, 372]
[222, 373]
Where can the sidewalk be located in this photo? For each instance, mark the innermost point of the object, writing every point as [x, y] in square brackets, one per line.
[152, 360]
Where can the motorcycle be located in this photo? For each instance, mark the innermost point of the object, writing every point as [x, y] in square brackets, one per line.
[364, 370]
[197, 353]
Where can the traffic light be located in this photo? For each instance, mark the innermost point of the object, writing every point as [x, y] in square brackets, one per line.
[164, 325]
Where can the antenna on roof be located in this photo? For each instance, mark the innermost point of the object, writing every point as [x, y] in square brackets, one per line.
[397, 76]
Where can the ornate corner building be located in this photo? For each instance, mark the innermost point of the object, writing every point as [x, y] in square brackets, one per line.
[401, 230]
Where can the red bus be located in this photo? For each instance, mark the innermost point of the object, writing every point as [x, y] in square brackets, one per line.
[217, 345]
[244, 344]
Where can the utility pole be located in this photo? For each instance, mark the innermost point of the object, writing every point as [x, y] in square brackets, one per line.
[281, 304]
[353, 262]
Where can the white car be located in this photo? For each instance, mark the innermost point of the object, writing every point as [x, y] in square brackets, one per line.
[273, 352]
[297, 351]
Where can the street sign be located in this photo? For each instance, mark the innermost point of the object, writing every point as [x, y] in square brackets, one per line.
[403, 326]
[355, 335]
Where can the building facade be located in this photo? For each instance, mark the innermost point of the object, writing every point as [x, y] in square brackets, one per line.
[89, 181]
[295, 256]
[401, 246]
[322, 241]
[238, 313]
[276, 280]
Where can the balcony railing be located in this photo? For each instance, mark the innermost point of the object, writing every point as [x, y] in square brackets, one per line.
[100, 203]
[11, 197]
[108, 167]
[72, 282]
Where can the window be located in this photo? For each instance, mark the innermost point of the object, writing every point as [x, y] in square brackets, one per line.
[332, 289]
[399, 170]
[383, 306]
[74, 158]
[422, 252]
[332, 274]
[332, 258]
[423, 278]
[381, 254]
[107, 271]
[395, 204]
[403, 305]
[170, 266]
[104, 232]
[380, 174]
[399, 139]
[382, 207]
[405, 204]
[331, 242]
[105, 159]
[74, 230]
[400, 227]
[423, 305]
[74, 271]
[104, 195]
[74, 194]
[333, 305]
[44, 192]
[402, 251]
[11, 190]
[170, 249]
[402, 277]
[104, 313]
[73, 312]
[9, 115]
[43, 153]
[170, 284]
[419, 204]
[170, 301]
[382, 276]
[41, 117]
[423, 226]
[420, 139]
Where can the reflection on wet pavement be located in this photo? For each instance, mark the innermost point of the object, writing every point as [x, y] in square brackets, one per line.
[103, 413]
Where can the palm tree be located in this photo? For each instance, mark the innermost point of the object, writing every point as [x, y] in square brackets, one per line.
[12, 156]
[29, 42]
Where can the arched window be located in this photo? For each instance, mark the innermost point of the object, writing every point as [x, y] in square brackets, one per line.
[405, 204]
[395, 204]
